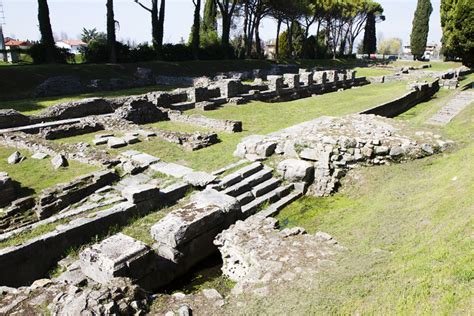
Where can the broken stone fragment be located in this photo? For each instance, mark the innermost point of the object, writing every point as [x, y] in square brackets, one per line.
[115, 142]
[59, 161]
[131, 139]
[199, 179]
[15, 158]
[396, 151]
[40, 156]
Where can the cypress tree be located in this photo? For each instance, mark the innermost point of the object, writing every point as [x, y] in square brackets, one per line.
[209, 21]
[419, 32]
[47, 38]
[370, 39]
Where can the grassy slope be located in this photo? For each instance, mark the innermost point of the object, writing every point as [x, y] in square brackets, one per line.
[408, 228]
[39, 174]
[19, 81]
[35, 105]
[261, 118]
[435, 65]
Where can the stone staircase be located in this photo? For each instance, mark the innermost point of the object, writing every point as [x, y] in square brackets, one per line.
[255, 187]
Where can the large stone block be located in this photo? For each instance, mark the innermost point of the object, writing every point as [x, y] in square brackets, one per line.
[230, 87]
[275, 83]
[117, 256]
[292, 80]
[295, 170]
[307, 79]
[188, 233]
[140, 193]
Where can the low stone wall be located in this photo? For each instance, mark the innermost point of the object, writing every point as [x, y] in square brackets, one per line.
[75, 109]
[54, 199]
[76, 129]
[200, 120]
[420, 92]
[30, 261]
[11, 118]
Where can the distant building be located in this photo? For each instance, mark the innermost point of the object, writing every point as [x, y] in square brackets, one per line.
[432, 51]
[73, 46]
[270, 49]
[13, 47]
[12, 44]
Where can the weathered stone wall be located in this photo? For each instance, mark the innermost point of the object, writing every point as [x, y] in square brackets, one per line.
[30, 261]
[200, 120]
[75, 109]
[7, 189]
[11, 118]
[63, 131]
[421, 92]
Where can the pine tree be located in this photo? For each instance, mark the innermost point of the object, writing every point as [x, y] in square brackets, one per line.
[457, 21]
[420, 29]
[370, 39]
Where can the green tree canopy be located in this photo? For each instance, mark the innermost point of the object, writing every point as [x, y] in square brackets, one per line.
[420, 29]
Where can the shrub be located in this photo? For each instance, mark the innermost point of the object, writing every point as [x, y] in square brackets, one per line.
[178, 52]
[38, 53]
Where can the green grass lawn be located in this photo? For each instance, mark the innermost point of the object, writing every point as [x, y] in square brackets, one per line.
[258, 118]
[372, 72]
[435, 65]
[408, 228]
[33, 106]
[39, 174]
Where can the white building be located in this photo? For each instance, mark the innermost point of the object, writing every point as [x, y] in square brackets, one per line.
[73, 46]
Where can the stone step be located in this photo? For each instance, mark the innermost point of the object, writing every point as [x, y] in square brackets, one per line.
[276, 207]
[253, 207]
[219, 100]
[245, 198]
[265, 187]
[183, 106]
[240, 174]
[248, 183]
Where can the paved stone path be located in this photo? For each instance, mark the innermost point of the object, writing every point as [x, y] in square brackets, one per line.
[453, 108]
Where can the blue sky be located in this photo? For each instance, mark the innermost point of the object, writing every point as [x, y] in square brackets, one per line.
[70, 16]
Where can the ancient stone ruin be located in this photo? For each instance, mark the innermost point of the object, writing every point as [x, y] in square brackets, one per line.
[228, 212]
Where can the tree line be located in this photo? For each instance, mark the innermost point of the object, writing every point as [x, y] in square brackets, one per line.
[305, 29]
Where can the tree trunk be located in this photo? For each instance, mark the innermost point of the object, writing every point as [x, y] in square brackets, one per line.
[246, 31]
[258, 43]
[196, 29]
[317, 40]
[111, 39]
[226, 33]
[277, 41]
[154, 24]
[161, 27]
[47, 38]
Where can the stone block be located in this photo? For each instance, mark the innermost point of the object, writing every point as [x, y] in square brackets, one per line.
[15, 158]
[207, 210]
[199, 179]
[230, 87]
[275, 83]
[59, 161]
[40, 156]
[171, 169]
[130, 139]
[292, 80]
[115, 142]
[117, 256]
[295, 170]
[140, 193]
[307, 79]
